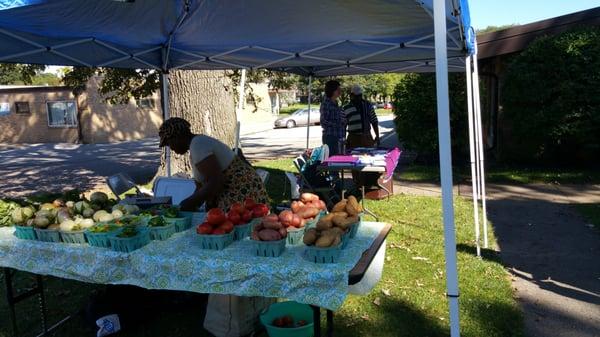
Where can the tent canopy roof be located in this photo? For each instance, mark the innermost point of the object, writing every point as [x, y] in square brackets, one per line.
[317, 37]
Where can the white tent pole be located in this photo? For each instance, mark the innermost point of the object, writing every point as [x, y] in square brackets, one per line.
[166, 115]
[474, 180]
[308, 121]
[241, 93]
[443, 117]
[481, 146]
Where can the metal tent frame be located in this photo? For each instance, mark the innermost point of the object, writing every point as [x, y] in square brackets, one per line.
[367, 56]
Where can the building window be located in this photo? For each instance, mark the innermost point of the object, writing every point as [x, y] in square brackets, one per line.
[22, 107]
[62, 114]
[146, 103]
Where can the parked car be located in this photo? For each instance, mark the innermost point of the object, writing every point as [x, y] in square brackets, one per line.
[299, 118]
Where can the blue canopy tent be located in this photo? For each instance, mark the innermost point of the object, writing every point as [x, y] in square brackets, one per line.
[311, 38]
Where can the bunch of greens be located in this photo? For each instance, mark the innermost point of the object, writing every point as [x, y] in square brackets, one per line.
[157, 221]
[128, 232]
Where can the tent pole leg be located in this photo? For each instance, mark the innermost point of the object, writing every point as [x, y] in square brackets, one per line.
[479, 131]
[238, 111]
[164, 79]
[443, 117]
[474, 180]
[308, 121]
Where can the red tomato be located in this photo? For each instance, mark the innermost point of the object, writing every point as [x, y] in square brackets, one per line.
[234, 217]
[204, 228]
[260, 210]
[249, 204]
[227, 226]
[237, 208]
[247, 216]
[218, 231]
[215, 217]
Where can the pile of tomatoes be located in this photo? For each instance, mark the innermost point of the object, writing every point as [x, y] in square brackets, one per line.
[219, 223]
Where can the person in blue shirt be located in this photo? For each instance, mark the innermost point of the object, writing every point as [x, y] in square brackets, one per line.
[333, 119]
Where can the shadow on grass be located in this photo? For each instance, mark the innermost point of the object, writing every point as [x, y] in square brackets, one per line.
[486, 253]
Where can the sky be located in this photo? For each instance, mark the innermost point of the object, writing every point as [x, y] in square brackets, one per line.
[504, 12]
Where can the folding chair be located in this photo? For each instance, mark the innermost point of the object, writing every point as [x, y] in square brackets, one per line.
[121, 183]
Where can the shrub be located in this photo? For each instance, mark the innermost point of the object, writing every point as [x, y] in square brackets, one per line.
[415, 112]
[551, 99]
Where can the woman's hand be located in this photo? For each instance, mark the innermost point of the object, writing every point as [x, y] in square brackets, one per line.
[188, 204]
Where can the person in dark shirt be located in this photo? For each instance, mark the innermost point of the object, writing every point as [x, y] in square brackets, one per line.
[360, 117]
[333, 120]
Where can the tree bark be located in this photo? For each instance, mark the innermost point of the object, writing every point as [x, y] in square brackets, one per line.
[206, 100]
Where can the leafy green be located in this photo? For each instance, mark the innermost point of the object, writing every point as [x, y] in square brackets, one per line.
[6, 208]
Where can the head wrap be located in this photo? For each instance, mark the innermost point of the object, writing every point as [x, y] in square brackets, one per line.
[172, 128]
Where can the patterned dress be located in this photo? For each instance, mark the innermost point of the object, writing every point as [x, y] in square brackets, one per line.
[241, 182]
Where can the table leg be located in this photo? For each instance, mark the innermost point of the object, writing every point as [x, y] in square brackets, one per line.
[10, 299]
[316, 320]
[329, 323]
[42, 299]
[366, 210]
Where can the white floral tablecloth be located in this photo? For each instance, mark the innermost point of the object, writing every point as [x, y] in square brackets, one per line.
[180, 264]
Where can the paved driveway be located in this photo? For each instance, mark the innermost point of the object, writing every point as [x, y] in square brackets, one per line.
[54, 167]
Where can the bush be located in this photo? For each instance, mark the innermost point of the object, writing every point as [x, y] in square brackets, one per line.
[551, 100]
[415, 112]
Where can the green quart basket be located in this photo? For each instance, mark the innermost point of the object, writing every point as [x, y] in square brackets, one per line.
[243, 231]
[298, 312]
[128, 245]
[25, 232]
[313, 223]
[162, 232]
[355, 226]
[73, 237]
[295, 236]
[100, 239]
[181, 223]
[268, 248]
[47, 235]
[323, 254]
[215, 242]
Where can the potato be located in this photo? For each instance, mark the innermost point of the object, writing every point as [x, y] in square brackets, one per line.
[336, 241]
[310, 237]
[255, 236]
[327, 216]
[297, 221]
[271, 217]
[322, 205]
[276, 225]
[307, 197]
[302, 223]
[269, 235]
[259, 227]
[344, 214]
[325, 240]
[324, 224]
[352, 206]
[286, 216]
[283, 232]
[339, 220]
[337, 231]
[340, 206]
[296, 206]
[308, 212]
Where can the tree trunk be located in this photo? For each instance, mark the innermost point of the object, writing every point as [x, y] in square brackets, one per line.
[206, 100]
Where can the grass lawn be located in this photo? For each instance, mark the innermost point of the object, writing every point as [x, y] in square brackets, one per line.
[591, 212]
[409, 300]
[422, 173]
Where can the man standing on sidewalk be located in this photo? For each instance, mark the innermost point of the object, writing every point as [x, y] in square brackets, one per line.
[333, 120]
[361, 117]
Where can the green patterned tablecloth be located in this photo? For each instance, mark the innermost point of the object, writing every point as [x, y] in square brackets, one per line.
[180, 264]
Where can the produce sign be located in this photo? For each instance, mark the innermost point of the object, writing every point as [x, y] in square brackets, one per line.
[216, 223]
[331, 227]
[269, 229]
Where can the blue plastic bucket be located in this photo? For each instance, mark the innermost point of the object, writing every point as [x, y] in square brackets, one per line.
[297, 312]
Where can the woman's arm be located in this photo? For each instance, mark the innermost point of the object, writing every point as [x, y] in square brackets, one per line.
[210, 169]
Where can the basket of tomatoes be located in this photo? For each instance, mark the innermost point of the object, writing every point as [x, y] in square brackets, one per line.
[216, 232]
[244, 216]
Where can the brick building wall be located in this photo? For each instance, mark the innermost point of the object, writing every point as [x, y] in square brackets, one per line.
[101, 122]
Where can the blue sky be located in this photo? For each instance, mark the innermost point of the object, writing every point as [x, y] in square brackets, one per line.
[503, 12]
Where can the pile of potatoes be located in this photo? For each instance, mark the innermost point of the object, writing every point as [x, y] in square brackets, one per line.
[331, 227]
[269, 229]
